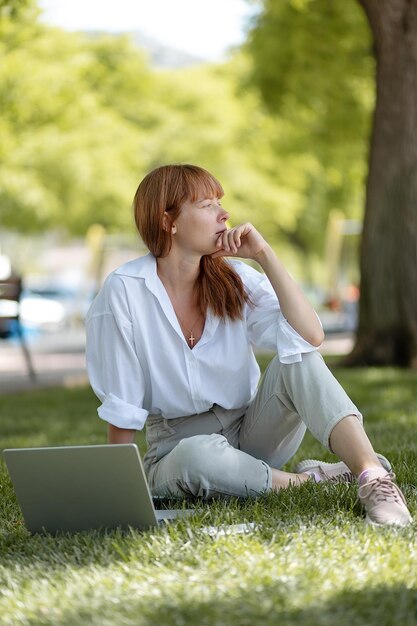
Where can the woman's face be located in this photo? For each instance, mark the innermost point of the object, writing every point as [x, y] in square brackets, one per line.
[199, 224]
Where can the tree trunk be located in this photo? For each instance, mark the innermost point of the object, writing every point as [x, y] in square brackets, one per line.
[387, 332]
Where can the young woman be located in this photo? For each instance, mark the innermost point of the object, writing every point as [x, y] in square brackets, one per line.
[170, 342]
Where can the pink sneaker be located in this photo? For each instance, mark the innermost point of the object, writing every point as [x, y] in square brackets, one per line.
[384, 502]
[334, 472]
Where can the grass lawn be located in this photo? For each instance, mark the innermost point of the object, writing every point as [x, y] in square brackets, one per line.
[310, 560]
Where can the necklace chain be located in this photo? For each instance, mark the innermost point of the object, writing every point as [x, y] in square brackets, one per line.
[191, 338]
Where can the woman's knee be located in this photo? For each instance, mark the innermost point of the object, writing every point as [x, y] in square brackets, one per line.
[312, 359]
[311, 370]
[282, 378]
[208, 466]
[309, 361]
[198, 455]
[197, 466]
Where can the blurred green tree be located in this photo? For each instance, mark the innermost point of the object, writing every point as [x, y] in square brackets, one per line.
[313, 65]
[313, 61]
[14, 9]
[67, 160]
[85, 118]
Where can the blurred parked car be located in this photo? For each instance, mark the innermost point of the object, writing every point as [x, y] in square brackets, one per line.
[52, 307]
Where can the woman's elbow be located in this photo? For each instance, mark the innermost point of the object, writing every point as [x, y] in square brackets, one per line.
[316, 338]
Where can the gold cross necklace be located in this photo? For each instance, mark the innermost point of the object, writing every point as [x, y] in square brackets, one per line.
[191, 338]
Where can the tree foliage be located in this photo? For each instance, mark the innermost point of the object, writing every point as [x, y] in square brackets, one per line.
[15, 9]
[313, 66]
[86, 117]
[66, 158]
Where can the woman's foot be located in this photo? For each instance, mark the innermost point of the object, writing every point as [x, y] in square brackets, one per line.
[383, 500]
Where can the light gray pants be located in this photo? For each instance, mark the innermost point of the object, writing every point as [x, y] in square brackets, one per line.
[230, 452]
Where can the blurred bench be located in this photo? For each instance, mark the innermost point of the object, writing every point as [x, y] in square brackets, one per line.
[10, 292]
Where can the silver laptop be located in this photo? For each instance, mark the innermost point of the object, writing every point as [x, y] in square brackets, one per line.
[74, 488]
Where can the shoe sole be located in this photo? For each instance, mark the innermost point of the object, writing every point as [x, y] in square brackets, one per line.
[310, 464]
[370, 522]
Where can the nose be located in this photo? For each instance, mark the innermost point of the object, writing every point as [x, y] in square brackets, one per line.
[223, 215]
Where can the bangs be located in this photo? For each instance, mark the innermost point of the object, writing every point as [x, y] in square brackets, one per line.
[199, 183]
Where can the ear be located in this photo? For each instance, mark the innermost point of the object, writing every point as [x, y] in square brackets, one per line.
[166, 222]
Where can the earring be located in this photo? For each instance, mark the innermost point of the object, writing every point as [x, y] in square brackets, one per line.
[174, 229]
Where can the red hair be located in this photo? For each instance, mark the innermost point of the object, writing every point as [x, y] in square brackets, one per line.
[164, 190]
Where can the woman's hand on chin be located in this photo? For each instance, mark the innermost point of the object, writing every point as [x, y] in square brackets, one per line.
[243, 241]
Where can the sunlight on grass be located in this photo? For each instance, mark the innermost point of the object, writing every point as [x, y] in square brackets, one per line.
[309, 560]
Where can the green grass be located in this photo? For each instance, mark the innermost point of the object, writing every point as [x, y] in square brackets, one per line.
[310, 560]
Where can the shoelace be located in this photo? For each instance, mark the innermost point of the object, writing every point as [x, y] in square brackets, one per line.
[382, 489]
[346, 477]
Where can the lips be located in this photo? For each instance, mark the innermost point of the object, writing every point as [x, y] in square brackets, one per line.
[221, 231]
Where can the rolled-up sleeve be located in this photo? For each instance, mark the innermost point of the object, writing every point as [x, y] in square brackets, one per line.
[268, 329]
[112, 363]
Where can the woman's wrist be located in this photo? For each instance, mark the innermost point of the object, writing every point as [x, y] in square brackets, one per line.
[264, 255]
[120, 435]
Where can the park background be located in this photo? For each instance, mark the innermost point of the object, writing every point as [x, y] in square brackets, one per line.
[288, 119]
[88, 114]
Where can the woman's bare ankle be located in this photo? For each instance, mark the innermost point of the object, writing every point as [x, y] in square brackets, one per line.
[282, 480]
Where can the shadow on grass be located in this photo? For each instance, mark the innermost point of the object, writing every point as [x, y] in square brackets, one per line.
[266, 604]
[380, 606]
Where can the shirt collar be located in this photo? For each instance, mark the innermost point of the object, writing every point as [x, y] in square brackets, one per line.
[142, 267]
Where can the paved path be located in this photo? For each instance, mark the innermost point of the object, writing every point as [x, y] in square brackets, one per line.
[59, 360]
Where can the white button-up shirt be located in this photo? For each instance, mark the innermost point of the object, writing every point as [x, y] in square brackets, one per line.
[139, 362]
